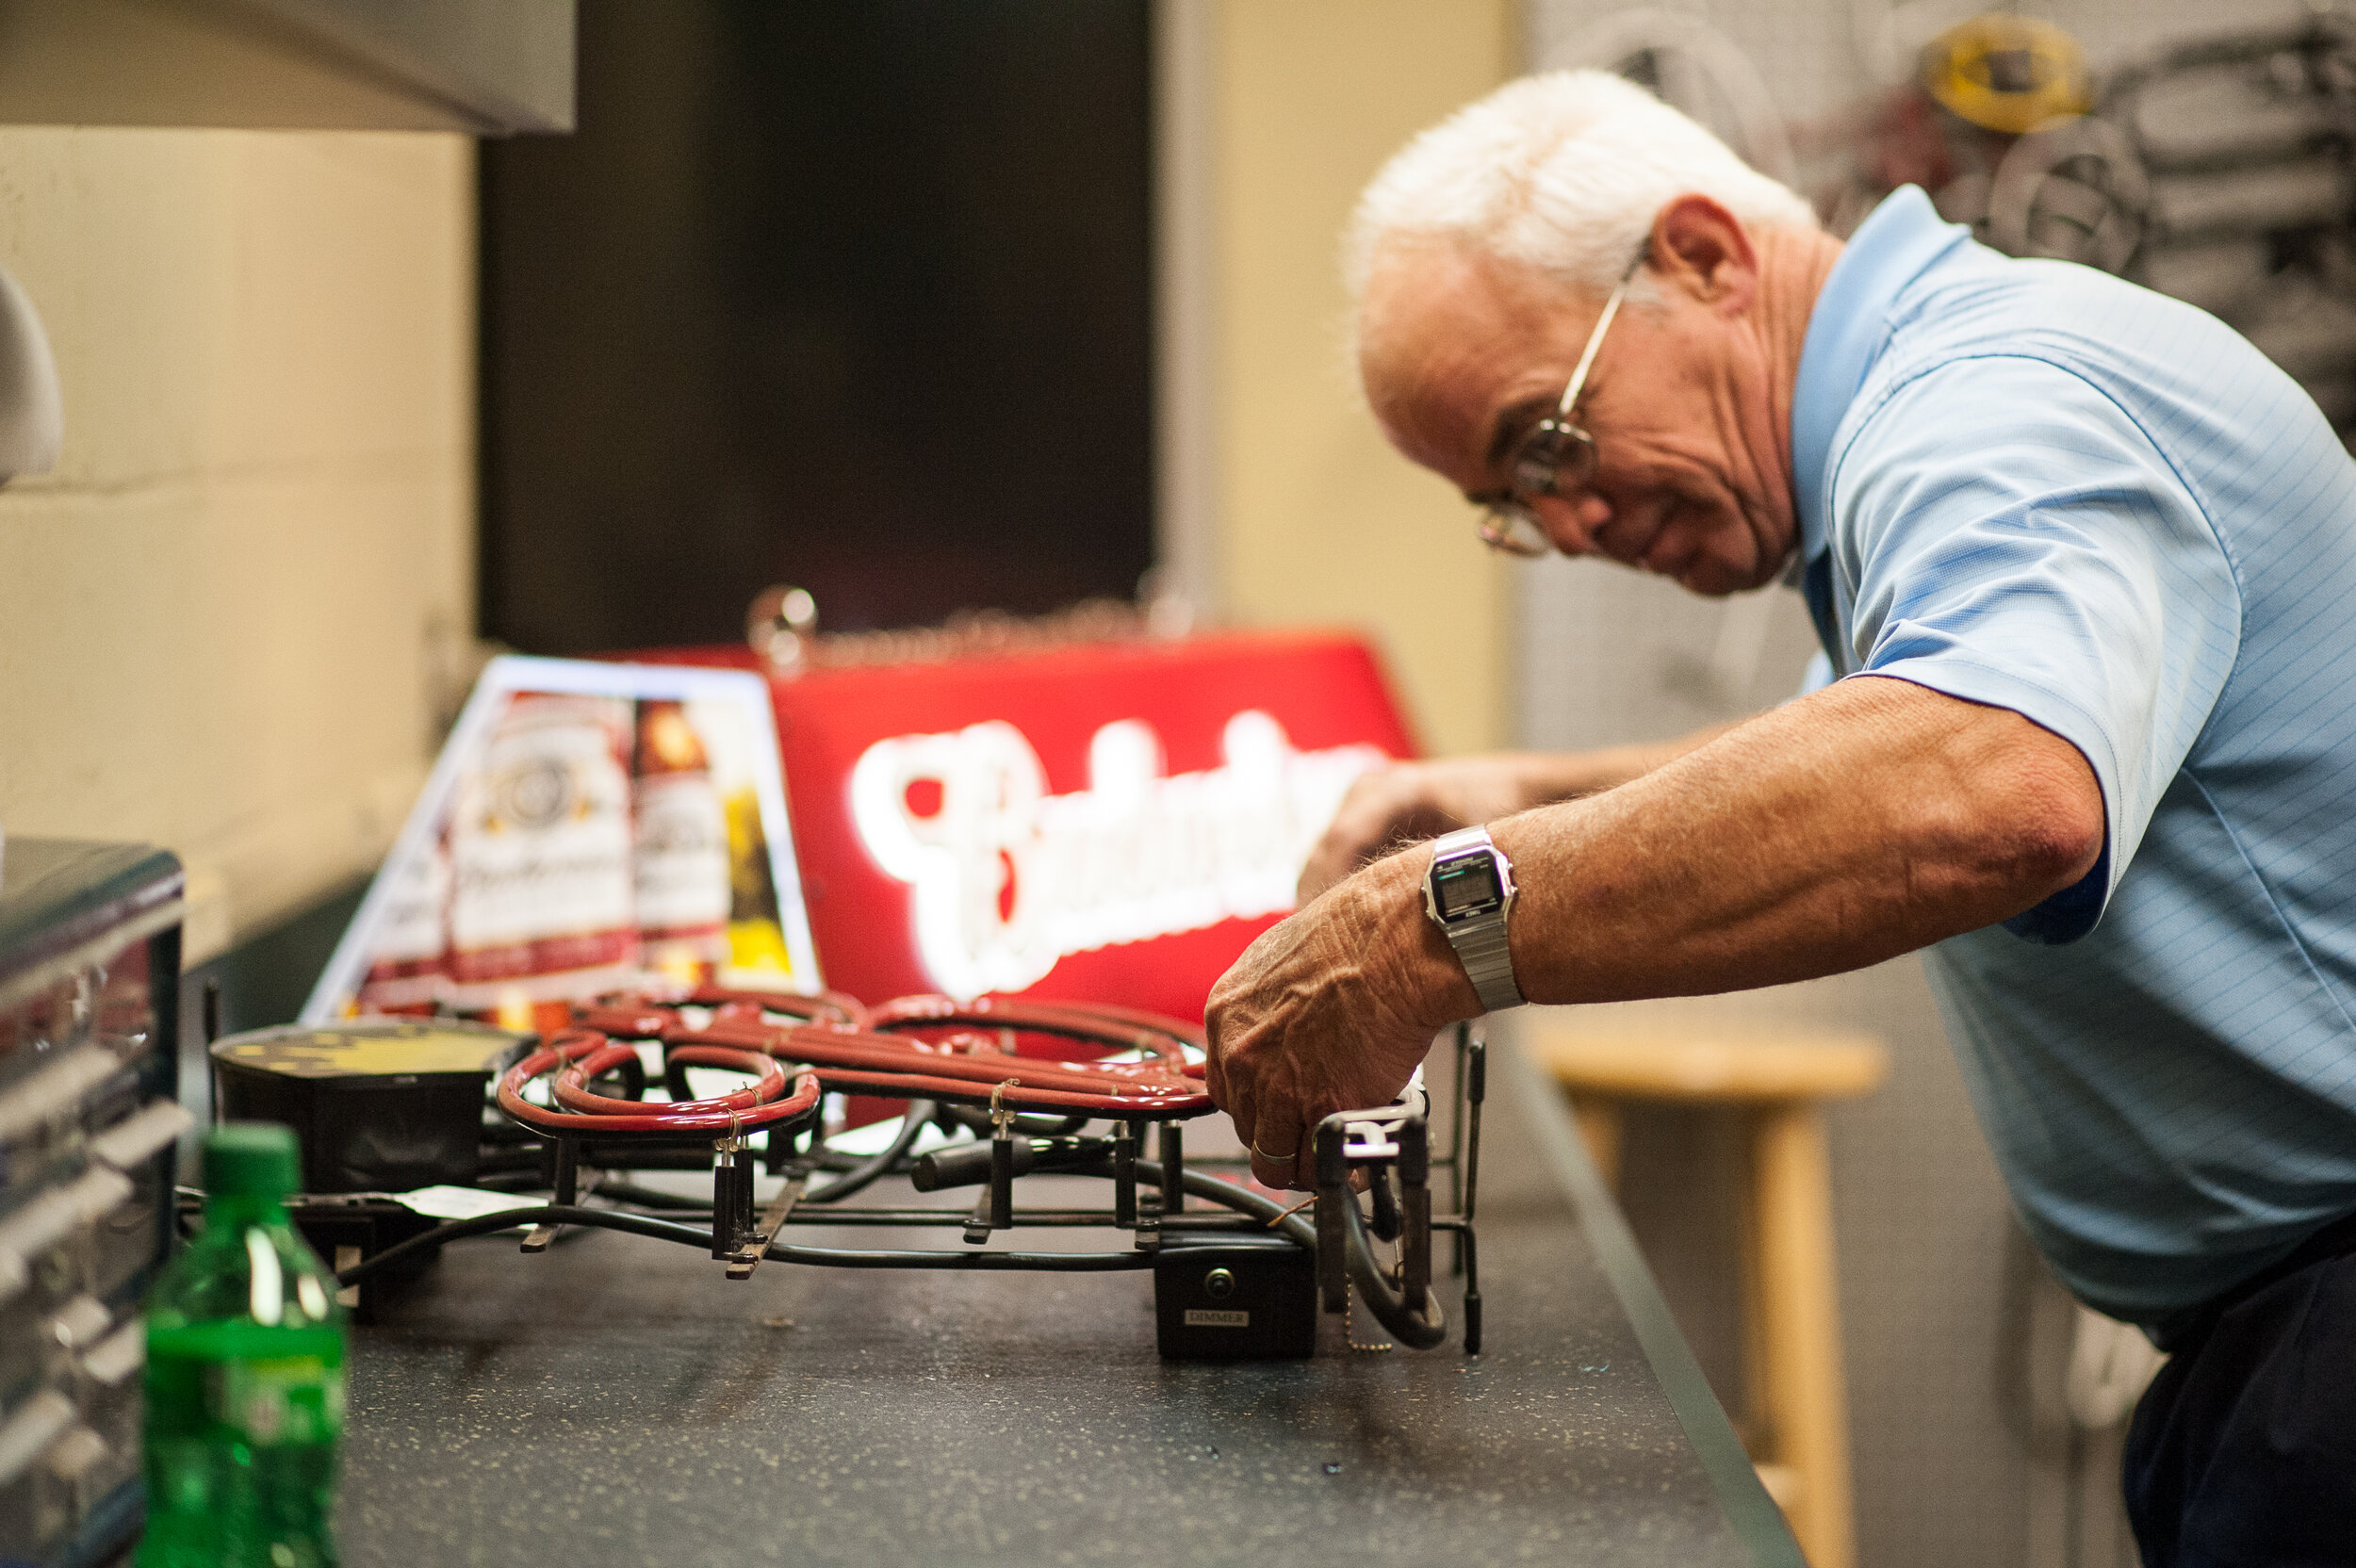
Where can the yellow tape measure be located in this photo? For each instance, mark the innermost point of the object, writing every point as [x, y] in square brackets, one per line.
[2008, 73]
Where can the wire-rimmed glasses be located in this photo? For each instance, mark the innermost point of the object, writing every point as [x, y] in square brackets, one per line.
[1556, 456]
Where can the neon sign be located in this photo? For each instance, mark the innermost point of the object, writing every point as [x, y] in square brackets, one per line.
[1006, 878]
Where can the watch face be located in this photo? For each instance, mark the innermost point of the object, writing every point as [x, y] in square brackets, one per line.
[1466, 886]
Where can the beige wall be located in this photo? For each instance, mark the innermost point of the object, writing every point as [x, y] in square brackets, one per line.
[1317, 518]
[221, 618]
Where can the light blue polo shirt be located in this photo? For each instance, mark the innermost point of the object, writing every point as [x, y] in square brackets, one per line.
[2030, 484]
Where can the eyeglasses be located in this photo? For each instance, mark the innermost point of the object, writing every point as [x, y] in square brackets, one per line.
[1554, 456]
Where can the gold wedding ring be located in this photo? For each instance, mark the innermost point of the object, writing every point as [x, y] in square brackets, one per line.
[1274, 1159]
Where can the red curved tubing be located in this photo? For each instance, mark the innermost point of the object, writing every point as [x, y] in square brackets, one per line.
[627, 1018]
[825, 1007]
[1161, 1039]
[1190, 1033]
[1021, 1097]
[918, 1046]
[1101, 1015]
[577, 1047]
[1114, 1088]
[642, 1018]
[571, 1089]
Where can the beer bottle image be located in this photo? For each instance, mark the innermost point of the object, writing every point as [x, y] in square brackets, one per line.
[541, 858]
[680, 854]
[756, 935]
[245, 1376]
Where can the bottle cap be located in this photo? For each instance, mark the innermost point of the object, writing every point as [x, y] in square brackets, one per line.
[252, 1159]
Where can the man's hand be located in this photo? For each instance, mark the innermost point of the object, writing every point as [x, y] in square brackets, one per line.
[1409, 801]
[1331, 1010]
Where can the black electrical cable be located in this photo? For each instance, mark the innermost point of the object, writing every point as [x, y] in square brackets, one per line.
[1280, 1218]
[693, 1235]
[982, 1262]
[1388, 1219]
[569, 1214]
[1202, 1185]
[864, 1175]
[976, 1120]
[1419, 1328]
[825, 1159]
[652, 1198]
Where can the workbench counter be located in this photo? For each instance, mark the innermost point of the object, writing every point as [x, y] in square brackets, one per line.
[617, 1401]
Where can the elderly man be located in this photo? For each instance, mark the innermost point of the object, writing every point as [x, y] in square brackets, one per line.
[2080, 560]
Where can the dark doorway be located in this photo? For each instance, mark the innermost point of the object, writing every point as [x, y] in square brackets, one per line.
[854, 295]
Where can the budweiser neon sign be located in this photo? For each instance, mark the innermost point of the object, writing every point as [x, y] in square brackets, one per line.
[1009, 878]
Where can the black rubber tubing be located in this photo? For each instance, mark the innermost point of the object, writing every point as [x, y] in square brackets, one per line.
[698, 1235]
[1418, 1327]
[1202, 1186]
[918, 1116]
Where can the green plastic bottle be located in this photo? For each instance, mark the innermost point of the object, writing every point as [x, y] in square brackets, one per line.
[245, 1376]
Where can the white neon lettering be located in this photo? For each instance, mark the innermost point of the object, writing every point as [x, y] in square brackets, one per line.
[1009, 878]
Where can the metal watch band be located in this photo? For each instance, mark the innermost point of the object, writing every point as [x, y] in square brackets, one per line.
[1488, 963]
[1481, 944]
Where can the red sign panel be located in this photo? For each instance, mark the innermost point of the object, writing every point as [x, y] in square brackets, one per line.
[1110, 822]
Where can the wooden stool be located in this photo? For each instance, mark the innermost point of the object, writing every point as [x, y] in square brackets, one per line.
[1797, 1404]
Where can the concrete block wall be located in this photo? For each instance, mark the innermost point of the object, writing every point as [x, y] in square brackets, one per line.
[231, 618]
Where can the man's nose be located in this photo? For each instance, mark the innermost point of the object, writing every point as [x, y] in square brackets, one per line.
[1573, 521]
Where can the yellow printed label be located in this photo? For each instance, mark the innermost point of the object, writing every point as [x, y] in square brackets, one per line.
[289, 1401]
[1217, 1317]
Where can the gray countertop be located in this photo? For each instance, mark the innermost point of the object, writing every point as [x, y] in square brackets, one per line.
[617, 1401]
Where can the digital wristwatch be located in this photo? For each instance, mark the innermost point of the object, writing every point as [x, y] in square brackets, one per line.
[1468, 891]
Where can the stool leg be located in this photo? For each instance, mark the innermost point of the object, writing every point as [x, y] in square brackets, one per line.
[1756, 1428]
[1799, 1335]
[1599, 1128]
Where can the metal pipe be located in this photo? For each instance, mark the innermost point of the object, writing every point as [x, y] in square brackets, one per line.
[1173, 1169]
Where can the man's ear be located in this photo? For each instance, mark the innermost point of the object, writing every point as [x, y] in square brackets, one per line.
[1701, 249]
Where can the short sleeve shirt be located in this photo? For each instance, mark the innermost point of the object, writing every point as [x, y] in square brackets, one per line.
[2032, 486]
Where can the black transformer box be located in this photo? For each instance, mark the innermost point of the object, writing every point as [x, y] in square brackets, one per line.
[1235, 1301]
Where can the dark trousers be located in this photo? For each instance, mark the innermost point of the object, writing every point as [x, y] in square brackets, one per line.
[2243, 1451]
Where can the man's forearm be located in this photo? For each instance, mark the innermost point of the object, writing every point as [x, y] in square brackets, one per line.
[1423, 800]
[1871, 819]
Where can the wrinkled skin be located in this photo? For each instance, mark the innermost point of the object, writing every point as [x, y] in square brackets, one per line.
[1405, 802]
[1310, 1021]
[1410, 802]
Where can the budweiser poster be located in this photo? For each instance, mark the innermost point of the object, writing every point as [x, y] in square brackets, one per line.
[1111, 822]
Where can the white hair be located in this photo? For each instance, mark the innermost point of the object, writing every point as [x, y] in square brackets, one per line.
[1563, 172]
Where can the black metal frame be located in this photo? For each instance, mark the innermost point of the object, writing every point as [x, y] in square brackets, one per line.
[1148, 1199]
